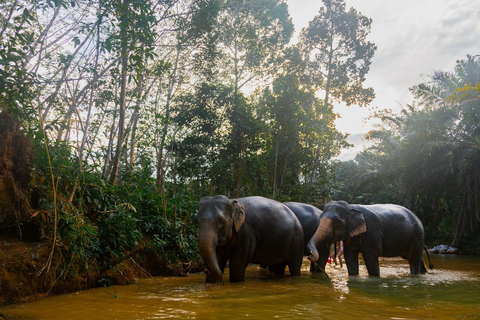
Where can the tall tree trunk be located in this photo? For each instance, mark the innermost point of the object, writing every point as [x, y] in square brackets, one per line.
[160, 155]
[123, 83]
[109, 151]
[133, 138]
[90, 103]
[316, 161]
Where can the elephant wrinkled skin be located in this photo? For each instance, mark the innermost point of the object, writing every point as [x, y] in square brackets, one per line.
[248, 230]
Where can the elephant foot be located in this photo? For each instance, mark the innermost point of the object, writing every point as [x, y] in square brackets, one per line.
[278, 270]
[210, 279]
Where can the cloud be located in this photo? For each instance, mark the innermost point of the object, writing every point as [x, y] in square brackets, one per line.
[359, 145]
[414, 39]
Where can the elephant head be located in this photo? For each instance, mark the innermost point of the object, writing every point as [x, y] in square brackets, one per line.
[218, 218]
[338, 222]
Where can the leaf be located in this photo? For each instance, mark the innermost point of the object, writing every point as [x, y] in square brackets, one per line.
[76, 41]
[127, 206]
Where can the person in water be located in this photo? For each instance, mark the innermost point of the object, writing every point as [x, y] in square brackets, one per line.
[336, 251]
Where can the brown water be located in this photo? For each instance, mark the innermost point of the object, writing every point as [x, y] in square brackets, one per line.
[450, 291]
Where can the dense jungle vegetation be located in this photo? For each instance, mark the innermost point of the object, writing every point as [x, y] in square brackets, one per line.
[118, 116]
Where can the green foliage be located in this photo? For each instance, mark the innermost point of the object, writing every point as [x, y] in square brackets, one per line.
[342, 55]
[202, 116]
[427, 157]
[295, 123]
[101, 222]
[17, 41]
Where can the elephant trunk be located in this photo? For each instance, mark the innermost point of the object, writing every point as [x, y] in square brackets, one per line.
[207, 245]
[324, 230]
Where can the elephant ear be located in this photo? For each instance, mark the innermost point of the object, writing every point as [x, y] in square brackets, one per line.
[357, 223]
[238, 214]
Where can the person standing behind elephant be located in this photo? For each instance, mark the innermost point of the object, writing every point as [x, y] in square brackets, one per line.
[381, 230]
[309, 217]
[337, 253]
[248, 230]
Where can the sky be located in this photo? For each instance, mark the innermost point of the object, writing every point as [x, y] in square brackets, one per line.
[414, 38]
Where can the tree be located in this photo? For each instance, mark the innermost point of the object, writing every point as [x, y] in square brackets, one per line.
[136, 37]
[454, 100]
[251, 34]
[17, 40]
[427, 156]
[201, 117]
[338, 54]
[297, 120]
[338, 57]
[285, 108]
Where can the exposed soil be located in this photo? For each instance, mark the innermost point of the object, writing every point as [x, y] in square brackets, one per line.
[16, 157]
[24, 278]
[20, 262]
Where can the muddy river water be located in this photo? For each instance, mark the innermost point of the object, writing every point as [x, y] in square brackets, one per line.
[450, 291]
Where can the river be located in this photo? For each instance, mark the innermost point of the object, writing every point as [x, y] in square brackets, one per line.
[450, 291]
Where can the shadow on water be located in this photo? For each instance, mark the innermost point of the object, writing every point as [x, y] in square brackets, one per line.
[449, 291]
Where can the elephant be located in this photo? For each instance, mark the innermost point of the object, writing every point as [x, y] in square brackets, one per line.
[248, 230]
[309, 217]
[379, 230]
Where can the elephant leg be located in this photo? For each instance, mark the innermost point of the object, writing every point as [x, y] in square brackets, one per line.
[415, 260]
[295, 267]
[417, 267]
[414, 267]
[351, 260]
[371, 262]
[278, 270]
[237, 271]
[238, 264]
[295, 258]
[416, 263]
[323, 253]
[423, 268]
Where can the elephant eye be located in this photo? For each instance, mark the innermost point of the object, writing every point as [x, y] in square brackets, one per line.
[222, 222]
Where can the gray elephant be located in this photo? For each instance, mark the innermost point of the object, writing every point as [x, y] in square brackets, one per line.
[248, 230]
[380, 230]
[309, 217]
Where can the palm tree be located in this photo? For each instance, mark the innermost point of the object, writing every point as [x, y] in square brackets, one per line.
[454, 99]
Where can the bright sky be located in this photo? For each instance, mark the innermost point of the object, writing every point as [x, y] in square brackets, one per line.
[413, 39]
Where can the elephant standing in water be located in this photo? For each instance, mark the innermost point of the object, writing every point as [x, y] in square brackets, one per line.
[309, 217]
[380, 230]
[248, 230]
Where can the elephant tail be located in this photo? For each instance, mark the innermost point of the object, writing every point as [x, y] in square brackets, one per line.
[430, 265]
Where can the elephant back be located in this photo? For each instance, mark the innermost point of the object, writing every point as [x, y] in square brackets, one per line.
[308, 216]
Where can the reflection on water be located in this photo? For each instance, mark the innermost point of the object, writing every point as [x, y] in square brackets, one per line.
[449, 291]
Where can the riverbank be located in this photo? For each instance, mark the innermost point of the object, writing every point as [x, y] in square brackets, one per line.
[27, 276]
[24, 276]
[446, 292]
